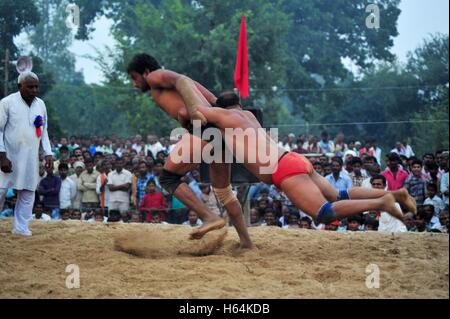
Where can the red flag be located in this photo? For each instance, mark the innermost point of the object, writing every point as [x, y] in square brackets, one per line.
[241, 71]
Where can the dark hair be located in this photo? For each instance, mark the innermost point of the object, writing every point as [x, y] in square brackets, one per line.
[428, 154]
[379, 176]
[433, 186]
[355, 218]
[417, 162]
[63, 166]
[324, 133]
[227, 99]
[269, 210]
[370, 157]
[370, 221]
[141, 62]
[356, 160]
[88, 161]
[98, 154]
[306, 219]
[433, 165]
[64, 148]
[151, 180]
[338, 160]
[158, 161]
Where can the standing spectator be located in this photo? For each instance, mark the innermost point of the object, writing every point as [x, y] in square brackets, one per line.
[119, 184]
[356, 175]
[433, 174]
[79, 168]
[408, 149]
[366, 150]
[444, 188]
[434, 199]
[153, 146]
[339, 180]
[325, 144]
[415, 183]
[101, 189]
[23, 129]
[376, 150]
[153, 200]
[427, 159]
[209, 199]
[399, 149]
[394, 175]
[68, 190]
[137, 146]
[49, 188]
[193, 219]
[313, 145]
[139, 183]
[87, 184]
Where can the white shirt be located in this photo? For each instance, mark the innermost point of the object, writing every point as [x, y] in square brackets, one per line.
[67, 193]
[44, 217]
[19, 140]
[437, 202]
[390, 224]
[154, 148]
[117, 179]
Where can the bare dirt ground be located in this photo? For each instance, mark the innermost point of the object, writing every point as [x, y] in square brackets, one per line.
[159, 261]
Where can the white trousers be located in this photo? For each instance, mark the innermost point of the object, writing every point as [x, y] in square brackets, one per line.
[2, 198]
[23, 211]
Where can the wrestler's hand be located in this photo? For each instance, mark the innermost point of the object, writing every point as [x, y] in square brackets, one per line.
[199, 116]
[6, 165]
[48, 161]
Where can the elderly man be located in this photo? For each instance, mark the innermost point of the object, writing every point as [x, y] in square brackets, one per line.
[23, 129]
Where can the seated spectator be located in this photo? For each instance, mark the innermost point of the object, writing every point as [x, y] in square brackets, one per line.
[262, 206]
[415, 183]
[49, 188]
[433, 171]
[306, 223]
[394, 174]
[354, 223]
[193, 219]
[38, 213]
[76, 214]
[114, 216]
[371, 224]
[156, 218]
[269, 218]
[136, 217]
[420, 224]
[65, 214]
[409, 221]
[264, 195]
[333, 226]
[443, 220]
[153, 200]
[430, 218]
[255, 220]
[99, 217]
[357, 175]
[433, 199]
[285, 211]
[327, 169]
[293, 220]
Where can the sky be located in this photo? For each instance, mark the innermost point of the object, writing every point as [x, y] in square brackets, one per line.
[418, 19]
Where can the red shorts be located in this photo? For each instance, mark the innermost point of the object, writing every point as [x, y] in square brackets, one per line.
[291, 164]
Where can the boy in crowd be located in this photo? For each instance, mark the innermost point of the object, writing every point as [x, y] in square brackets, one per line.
[357, 175]
[306, 223]
[415, 183]
[433, 199]
[152, 200]
[255, 220]
[293, 220]
[354, 223]
[270, 219]
[193, 219]
[38, 213]
[49, 188]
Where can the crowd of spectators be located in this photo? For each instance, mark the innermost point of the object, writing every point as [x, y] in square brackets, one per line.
[117, 180]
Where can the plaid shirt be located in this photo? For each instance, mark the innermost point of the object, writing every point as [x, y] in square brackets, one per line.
[357, 180]
[416, 188]
[141, 185]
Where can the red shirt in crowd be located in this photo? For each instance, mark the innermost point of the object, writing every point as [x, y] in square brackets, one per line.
[150, 201]
[397, 182]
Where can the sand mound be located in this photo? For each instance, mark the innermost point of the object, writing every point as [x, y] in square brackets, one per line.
[157, 243]
[160, 261]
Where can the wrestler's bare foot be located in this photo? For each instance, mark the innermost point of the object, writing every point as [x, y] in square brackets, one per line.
[208, 226]
[402, 196]
[390, 207]
[249, 245]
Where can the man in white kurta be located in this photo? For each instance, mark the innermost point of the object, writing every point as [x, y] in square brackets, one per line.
[19, 147]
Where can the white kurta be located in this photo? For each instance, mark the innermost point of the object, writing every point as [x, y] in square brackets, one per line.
[19, 140]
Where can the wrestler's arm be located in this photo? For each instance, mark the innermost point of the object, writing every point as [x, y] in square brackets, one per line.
[211, 98]
[165, 79]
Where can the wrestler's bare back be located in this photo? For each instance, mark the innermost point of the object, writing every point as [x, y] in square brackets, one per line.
[253, 153]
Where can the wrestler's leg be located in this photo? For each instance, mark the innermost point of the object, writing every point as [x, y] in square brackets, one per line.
[306, 196]
[184, 193]
[331, 194]
[220, 174]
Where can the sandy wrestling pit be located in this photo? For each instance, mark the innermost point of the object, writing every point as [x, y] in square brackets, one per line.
[158, 261]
